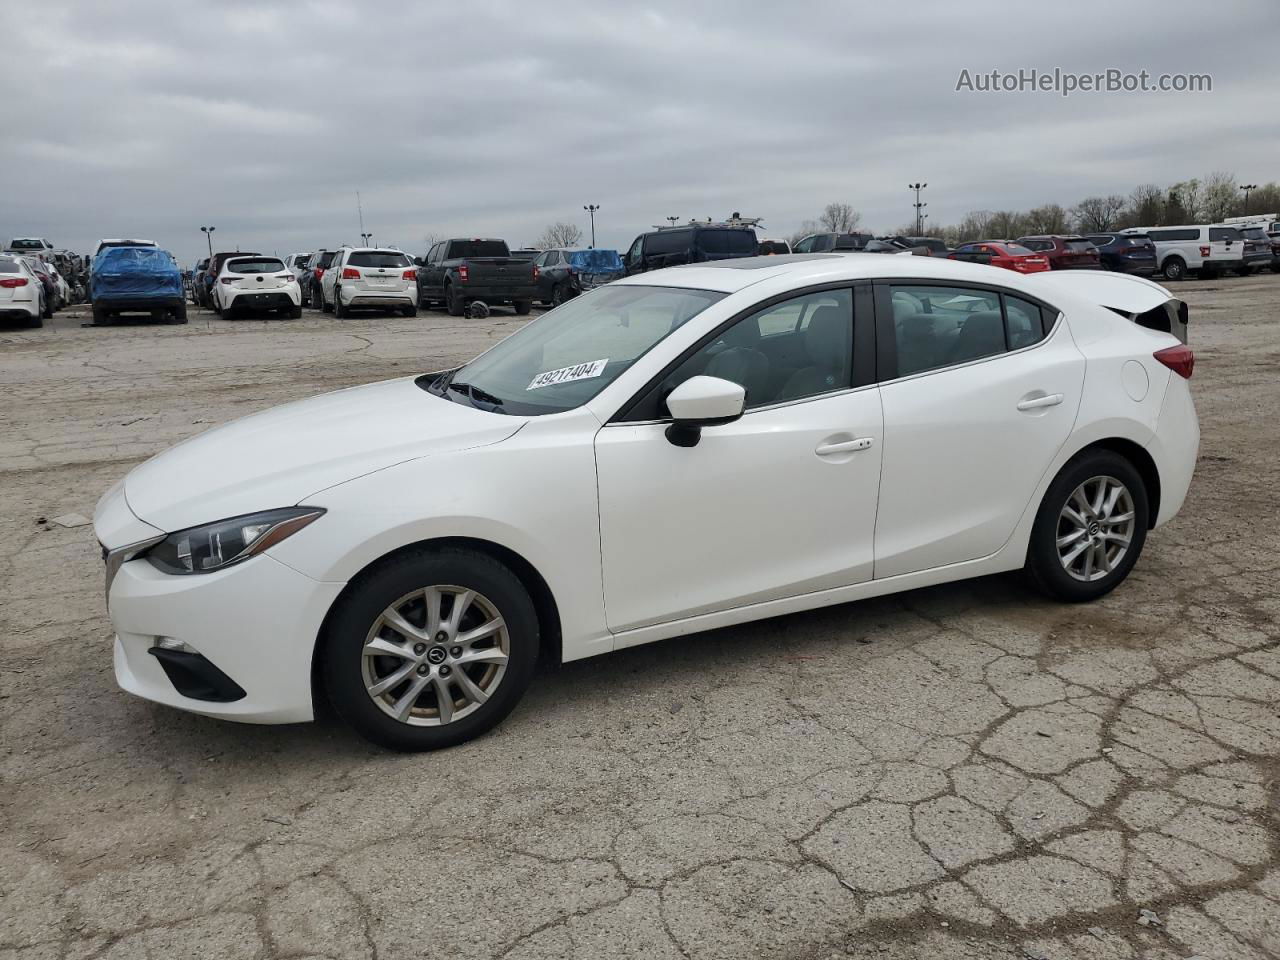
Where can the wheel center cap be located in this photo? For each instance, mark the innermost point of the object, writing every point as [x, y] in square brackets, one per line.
[437, 655]
[1095, 528]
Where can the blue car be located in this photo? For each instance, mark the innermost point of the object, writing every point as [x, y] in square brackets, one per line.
[1125, 252]
[137, 280]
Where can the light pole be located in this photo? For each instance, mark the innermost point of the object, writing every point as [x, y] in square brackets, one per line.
[917, 187]
[208, 235]
[591, 208]
[672, 220]
[366, 237]
[1248, 188]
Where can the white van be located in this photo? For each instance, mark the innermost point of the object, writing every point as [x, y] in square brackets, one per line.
[1195, 248]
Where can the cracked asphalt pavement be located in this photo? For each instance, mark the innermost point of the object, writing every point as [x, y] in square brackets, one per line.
[968, 771]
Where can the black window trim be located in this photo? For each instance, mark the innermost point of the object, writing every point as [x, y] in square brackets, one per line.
[864, 350]
[886, 339]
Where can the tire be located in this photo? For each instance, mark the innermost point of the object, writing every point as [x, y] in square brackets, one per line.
[35, 322]
[523, 307]
[557, 295]
[100, 316]
[295, 313]
[325, 306]
[1175, 269]
[47, 311]
[452, 302]
[1076, 488]
[410, 311]
[1275, 266]
[179, 313]
[339, 311]
[400, 584]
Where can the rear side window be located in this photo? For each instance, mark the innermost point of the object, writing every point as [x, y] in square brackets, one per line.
[1037, 245]
[727, 241]
[667, 241]
[1223, 233]
[940, 326]
[1167, 235]
[471, 249]
[326, 259]
[256, 265]
[377, 258]
[1079, 246]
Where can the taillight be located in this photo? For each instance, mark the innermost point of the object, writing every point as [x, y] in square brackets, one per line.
[536, 272]
[1180, 359]
[350, 273]
[319, 272]
[229, 280]
[411, 274]
[284, 276]
[1204, 251]
[463, 272]
[10, 282]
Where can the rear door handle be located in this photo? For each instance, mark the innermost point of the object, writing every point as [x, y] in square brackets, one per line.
[844, 446]
[1035, 403]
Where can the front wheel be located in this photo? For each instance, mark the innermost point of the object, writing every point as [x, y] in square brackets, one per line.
[430, 649]
[1175, 268]
[1090, 528]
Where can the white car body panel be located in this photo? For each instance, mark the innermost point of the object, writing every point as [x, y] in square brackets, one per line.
[636, 539]
[28, 298]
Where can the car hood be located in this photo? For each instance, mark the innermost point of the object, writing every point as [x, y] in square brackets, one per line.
[279, 457]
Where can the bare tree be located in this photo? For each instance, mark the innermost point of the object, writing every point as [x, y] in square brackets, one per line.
[1093, 214]
[1220, 196]
[976, 225]
[1146, 207]
[1050, 218]
[1185, 203]
[1006, 225]
[840, 217]
[559, 235]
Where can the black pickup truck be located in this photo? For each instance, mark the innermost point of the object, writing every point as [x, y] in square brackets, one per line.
[458, 272]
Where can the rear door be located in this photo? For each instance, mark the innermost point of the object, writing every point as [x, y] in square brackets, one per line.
[977, 399]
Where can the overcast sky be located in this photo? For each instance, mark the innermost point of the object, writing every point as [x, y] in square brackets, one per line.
[471, 118]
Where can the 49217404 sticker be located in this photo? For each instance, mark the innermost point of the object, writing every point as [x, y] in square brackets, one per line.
[579, 371]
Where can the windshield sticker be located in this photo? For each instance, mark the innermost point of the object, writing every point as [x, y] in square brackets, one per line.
[579, 371]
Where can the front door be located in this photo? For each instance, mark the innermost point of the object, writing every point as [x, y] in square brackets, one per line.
[777, 504]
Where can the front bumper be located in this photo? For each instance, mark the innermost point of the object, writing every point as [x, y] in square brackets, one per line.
[256, 622]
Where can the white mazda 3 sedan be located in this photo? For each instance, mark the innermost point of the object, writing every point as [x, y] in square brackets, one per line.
[676, 451]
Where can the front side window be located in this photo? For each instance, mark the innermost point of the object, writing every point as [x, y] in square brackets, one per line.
[940, 326]
[792, 350]
[565, 357]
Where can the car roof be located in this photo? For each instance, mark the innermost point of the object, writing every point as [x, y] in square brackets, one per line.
[730, 276]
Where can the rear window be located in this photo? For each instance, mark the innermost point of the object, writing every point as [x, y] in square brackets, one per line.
[469, 249]
[1223, 233]
[9, 266]
[326, 259]
[1253, 233]
[727, 241]
[852, 241]
[1079, 246]
[772, 246]
[256, 265]
[377, 258]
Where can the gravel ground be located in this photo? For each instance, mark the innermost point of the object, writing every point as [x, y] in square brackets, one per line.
[963, 771]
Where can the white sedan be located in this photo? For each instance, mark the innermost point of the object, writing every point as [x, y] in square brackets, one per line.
[258, 284]
[676, 451]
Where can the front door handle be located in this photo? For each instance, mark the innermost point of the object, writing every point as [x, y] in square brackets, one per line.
[843, 446]
[1035, 403]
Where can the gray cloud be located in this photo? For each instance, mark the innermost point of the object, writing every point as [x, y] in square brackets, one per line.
[491, 118]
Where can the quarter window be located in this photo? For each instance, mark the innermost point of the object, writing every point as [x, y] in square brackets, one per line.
[1022, 320]
[792, 350]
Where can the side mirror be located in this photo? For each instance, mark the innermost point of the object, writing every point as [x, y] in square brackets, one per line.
[702, 402]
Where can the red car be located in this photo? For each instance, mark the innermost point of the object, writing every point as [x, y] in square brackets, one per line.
[1001, 253]
[1065, 252]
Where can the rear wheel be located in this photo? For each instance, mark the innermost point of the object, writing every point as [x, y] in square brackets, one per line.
[339, 310]
[431, 649]
[179, 314]
[409, 311]
[325, 306]
[1175, 268]
[1090, 528]
[523, 307]
[453, 302]
[557, 295]
[99, 316]
[35, 320]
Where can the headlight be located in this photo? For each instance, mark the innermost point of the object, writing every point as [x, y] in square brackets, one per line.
[218, 545]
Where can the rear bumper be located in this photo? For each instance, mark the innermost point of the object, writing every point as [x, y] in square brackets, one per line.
[140, 304]
[378, 298]
[21, 309]
[1135, 268]
[496, 295]
[268, 300]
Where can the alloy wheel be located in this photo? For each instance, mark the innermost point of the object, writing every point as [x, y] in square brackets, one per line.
[1095, 528]
[436, 655]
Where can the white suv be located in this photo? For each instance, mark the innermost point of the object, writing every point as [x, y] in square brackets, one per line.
[1205, 250]
[256, 283]
[369, 277]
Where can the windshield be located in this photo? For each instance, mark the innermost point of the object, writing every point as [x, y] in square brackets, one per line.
[261, 265]
[567, 356]
[377, 258]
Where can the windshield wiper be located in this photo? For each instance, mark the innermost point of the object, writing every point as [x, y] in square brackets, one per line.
[475, 393]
